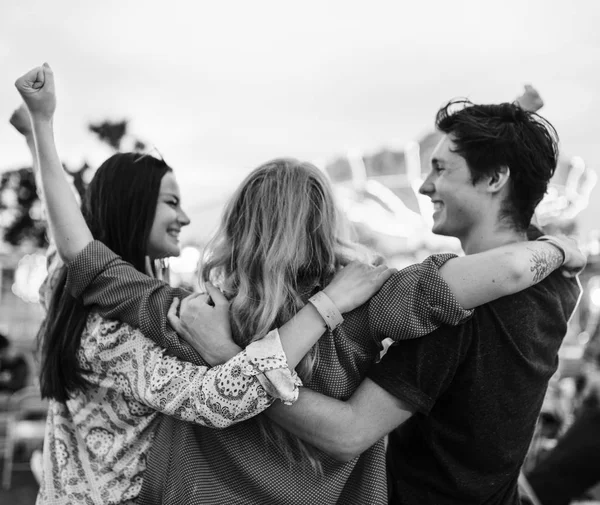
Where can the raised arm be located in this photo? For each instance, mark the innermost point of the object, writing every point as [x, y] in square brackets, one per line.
[22, 123]
[69, 229]
[530, 100]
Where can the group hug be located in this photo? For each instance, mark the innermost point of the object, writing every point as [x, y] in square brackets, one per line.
[307, 371]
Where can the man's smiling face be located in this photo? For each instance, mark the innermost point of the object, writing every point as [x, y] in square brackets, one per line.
[458, 203]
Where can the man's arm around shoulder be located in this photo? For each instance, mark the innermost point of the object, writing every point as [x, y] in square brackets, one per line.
[410, 377]
[343, 429]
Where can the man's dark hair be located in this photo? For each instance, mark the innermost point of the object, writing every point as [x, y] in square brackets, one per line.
[491, 136]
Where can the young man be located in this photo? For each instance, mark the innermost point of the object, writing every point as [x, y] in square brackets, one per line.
[466, 398]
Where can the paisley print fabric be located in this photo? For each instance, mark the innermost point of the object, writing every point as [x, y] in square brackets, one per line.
[96, 444]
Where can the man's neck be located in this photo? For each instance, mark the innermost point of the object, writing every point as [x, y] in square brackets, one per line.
[485, 238]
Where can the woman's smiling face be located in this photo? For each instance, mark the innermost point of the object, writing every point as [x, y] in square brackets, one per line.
[169, 218]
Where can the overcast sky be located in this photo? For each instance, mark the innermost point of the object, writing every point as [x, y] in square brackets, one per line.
[220, 87]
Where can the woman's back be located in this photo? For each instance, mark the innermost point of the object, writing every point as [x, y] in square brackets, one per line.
[280, 240]
[239, 466]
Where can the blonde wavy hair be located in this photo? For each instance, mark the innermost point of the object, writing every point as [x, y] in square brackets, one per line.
[280, 240]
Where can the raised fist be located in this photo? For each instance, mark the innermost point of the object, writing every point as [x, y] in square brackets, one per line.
[20, 120]
[530, 100]
[38, 92]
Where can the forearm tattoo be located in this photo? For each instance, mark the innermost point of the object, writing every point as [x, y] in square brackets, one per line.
[544, 262]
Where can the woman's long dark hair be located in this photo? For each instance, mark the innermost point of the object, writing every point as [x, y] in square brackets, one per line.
[119, 207]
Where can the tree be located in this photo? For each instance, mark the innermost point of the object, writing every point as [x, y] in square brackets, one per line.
[110, 132]
[20, 209]
[21, 219]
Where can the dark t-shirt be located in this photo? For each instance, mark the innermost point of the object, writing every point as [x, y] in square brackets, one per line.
[478, 389]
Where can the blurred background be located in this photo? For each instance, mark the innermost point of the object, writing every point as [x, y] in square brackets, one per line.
[218, 88]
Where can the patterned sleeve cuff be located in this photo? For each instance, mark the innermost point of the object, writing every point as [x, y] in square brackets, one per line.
[88, 264]
[267, 361]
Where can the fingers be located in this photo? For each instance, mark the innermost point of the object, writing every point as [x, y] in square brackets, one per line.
[194, 299]
[217, 297]
[20, 113]
[188, 299]
[148, 267]
[15, 118]
[174, 321]
[386, 274]
[173, 307]
[35, 80]
[21, 121]
[39, 81]
[45, 77]
[381, 274]
[37, 89]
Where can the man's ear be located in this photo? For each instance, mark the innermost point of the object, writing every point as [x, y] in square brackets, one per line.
[498, 179]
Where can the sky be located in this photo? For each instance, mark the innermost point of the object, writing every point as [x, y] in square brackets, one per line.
[221, 87]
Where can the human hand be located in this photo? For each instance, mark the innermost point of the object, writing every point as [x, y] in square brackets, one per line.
[21, 121]
[158, 269]
[354, 284]
[575, 260]
[206, 328]
[530, 100]
[37, 89]
[149, 270]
